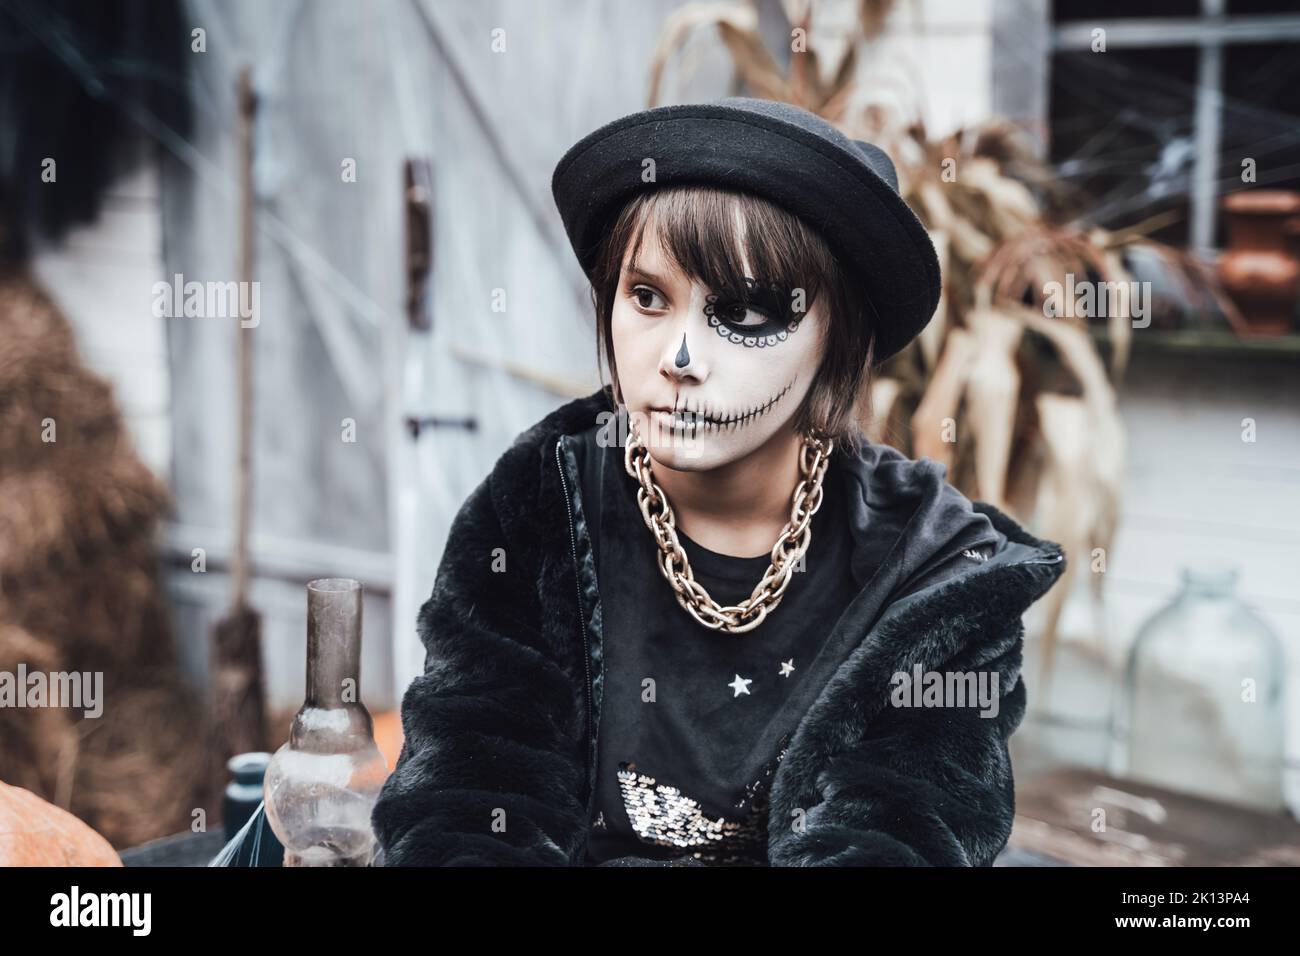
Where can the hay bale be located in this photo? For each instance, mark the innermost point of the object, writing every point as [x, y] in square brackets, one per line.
[142, 769]
[36, 744]
[79, 591]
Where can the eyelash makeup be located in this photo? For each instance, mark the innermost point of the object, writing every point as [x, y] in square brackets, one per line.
[768, 300]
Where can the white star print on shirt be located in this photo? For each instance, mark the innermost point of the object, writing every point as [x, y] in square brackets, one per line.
[740, 685]
[787, 668]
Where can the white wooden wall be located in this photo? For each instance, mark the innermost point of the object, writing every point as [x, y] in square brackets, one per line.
[1193, 489]
[101, 275]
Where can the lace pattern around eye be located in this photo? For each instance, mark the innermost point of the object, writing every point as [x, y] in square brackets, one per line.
[768, 298]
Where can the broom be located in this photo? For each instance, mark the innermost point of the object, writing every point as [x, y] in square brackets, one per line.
[239, 707]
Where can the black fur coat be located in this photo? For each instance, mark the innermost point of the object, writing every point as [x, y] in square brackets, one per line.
[499, 757]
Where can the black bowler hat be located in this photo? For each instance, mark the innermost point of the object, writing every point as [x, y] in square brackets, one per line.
[845, 189]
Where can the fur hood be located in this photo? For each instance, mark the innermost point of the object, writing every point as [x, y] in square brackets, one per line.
[498, 763]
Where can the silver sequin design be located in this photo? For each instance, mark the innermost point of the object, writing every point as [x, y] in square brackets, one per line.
[661, 814]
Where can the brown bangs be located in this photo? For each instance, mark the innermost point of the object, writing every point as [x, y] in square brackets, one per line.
[709, 233]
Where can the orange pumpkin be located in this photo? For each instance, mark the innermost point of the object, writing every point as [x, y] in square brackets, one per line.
[36, 833]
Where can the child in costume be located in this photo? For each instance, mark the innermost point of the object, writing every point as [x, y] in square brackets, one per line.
[729, 629]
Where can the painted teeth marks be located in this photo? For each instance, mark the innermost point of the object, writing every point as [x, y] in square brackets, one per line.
[703, 419]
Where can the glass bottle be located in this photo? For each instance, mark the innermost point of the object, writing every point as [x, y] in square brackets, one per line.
[1202, 706]
[321, 785]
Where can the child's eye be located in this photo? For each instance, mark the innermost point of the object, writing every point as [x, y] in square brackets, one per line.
[757, 308]
[741, 314]
[645, 298]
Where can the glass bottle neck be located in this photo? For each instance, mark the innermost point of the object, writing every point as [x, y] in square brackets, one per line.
[1210, 582]
[333, 642]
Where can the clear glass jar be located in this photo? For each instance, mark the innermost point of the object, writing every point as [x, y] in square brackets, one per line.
[1202, 710]
[321, 785]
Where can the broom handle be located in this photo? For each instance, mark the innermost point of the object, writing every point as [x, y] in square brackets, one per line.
[244, 343]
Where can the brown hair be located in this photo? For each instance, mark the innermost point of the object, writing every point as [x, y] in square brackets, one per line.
[698, 228]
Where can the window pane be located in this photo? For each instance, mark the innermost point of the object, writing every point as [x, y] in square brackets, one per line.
[1064, 11]
[1261, 119]
[1122, 134]
[1240, 7]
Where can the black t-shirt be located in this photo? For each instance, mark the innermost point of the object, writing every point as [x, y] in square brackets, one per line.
[694, 722]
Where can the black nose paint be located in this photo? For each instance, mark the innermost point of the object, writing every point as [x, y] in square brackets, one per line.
[683, 356]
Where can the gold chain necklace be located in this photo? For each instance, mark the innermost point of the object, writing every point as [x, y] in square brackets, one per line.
[787, 553]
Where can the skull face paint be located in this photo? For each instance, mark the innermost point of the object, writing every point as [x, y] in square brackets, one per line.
[714, 374]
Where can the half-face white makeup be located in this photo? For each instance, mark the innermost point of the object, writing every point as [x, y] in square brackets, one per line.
[708, 378]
